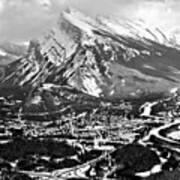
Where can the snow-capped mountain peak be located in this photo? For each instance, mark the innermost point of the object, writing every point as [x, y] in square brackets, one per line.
[105, 57]
[79, 20]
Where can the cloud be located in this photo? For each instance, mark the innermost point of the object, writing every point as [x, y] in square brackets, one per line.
[22, 19]
[25, 19]
[1, 5]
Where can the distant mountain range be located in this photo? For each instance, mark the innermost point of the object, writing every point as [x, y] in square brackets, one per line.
[102, 57]
[10, 52]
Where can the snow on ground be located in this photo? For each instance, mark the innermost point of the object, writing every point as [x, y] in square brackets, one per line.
[174, 90]
[147, 108]
[36, 100]
[174, 135]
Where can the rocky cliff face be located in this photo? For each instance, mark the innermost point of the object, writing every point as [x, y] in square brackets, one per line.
[102, 57]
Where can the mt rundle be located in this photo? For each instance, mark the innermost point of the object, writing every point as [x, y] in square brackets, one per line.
[96, 97]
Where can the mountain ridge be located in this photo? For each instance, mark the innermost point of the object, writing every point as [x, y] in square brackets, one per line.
[100, 57]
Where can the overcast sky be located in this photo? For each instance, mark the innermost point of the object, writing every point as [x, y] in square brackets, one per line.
[21, 20]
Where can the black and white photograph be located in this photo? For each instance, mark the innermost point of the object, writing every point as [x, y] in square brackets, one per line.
[89, 89]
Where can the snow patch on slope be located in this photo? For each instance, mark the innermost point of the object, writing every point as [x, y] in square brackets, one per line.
[91, 86]
[2, 53]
